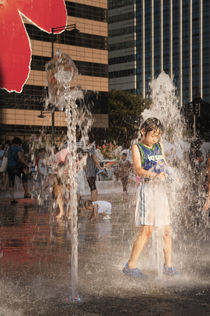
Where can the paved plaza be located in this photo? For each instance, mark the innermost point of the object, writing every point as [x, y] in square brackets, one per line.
[36, 265]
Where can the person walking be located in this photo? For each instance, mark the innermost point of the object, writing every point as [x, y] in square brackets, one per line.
[124, 170]
[17, 166]
[92, 167]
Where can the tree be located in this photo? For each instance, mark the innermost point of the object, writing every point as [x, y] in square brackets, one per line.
[125, 116]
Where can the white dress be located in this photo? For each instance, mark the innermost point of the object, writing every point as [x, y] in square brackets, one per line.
[152, 207]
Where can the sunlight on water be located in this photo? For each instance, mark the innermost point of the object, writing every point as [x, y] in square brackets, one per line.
[165, 107]
[60, 72]
[64, 97]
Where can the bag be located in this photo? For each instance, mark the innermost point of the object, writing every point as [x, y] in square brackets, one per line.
[4, 164]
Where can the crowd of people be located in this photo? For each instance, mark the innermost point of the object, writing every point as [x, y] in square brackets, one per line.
[148, 162]
[50, 173]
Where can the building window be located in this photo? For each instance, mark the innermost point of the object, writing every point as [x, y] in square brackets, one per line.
[84, 68]
[69, 38]
[86, 11]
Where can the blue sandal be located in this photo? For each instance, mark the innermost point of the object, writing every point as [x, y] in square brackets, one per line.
[171, 271]
[134, 273]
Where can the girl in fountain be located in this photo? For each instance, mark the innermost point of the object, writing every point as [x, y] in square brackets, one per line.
[152, 207]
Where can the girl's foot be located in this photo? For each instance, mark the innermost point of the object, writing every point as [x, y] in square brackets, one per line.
[171, 271]
[134, 273]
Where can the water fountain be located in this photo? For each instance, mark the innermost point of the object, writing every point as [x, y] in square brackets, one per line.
[60, 72]
[38, 284]
[165, 107]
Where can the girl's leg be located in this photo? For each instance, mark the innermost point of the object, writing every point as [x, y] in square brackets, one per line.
[167, 246]
[138, 245]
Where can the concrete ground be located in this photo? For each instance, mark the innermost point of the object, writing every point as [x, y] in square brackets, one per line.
[35, 260]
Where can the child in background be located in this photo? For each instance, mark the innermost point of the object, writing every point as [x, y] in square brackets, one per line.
[60, 181]
[124, 170]
[41, 165]
[103, 208]
[152, 207]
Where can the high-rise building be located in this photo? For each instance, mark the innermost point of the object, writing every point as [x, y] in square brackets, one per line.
[171, 36]
[122, 45]
[19, 112]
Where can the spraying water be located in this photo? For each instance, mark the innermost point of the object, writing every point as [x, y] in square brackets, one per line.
[60, 71]
[165, 107]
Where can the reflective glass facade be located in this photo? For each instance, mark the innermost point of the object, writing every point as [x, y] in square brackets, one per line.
[19, 112]
[180, 45]
[169, 35]
[122, 45]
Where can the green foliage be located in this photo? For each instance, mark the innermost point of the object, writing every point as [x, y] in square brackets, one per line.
[125, 116]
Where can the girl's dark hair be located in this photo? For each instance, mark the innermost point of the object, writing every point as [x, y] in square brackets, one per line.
[151, 124]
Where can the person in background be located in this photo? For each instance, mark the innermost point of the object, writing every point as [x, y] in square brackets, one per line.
[207, 203]
[42, 166]
[60, 184]
[205, 149]
[5, 179]
[1, 160]
[96, 208]
[92, 166]
[124, 170]
[17, 166]
[1, 153]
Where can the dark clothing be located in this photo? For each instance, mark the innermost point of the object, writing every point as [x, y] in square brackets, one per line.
[124, 170]
[124, 181]
[92, 183]
[15, 167]
[90, 169]
[13, 159]
[16, 171]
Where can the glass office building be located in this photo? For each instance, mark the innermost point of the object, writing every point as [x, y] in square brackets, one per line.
[19, 112]
[122, 45]
[172, 36]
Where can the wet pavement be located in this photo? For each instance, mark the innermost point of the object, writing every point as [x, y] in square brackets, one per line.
[35, 265]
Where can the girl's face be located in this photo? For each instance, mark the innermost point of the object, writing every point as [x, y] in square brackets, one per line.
[151, 137]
